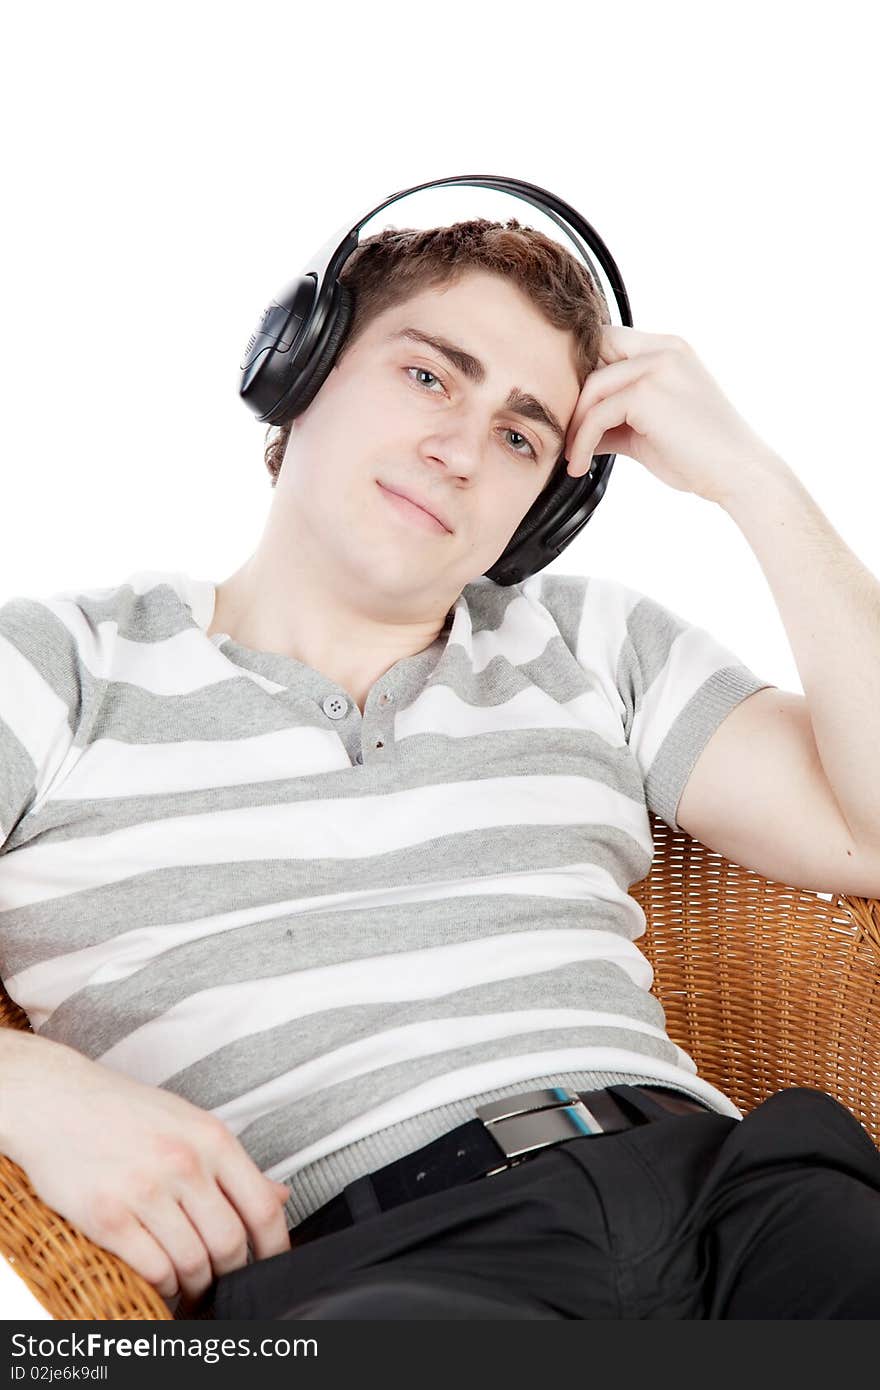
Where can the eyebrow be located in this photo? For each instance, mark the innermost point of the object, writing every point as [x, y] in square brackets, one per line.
[518, 402]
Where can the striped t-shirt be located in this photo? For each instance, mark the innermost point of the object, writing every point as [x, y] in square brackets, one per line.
[339, 932]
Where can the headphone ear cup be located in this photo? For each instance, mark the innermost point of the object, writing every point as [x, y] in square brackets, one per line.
[561, 487]
[316, 371]
[517, 561]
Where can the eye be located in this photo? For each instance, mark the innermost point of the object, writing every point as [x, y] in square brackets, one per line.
[424, 371]
[525, 441]
[529, 449]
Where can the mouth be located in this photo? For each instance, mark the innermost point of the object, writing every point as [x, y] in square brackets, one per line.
[414, 511]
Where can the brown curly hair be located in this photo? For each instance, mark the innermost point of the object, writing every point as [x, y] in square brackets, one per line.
[394, 265]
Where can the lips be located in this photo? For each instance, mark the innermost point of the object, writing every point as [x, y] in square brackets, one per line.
[417, 502]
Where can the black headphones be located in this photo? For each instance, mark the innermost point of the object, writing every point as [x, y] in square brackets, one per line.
[292, 351]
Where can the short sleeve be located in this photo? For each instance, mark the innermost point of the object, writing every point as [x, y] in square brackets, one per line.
[677, 683]
[40, 700]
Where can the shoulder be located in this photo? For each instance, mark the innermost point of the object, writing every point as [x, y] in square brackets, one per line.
[83, 621]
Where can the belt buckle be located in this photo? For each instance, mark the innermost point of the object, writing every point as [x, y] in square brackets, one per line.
[532, 1120]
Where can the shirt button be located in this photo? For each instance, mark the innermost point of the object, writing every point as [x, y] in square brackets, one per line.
[385, 697]
[335, 707]
[359, 758]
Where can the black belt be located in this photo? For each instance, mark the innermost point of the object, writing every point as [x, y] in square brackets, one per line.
[507, 1132]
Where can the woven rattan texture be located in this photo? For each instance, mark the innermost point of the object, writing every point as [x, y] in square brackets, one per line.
[764, 985]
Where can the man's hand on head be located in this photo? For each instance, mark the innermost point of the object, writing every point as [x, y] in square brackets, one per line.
[652, 399]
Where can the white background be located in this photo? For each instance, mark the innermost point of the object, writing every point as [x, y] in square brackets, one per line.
[169, 168]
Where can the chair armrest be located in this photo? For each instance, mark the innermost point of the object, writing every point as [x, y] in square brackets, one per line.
[71, 1276]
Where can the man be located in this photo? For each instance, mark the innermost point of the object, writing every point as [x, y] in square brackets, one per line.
[409, 804]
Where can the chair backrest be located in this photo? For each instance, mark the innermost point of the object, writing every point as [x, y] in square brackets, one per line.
[766, 986]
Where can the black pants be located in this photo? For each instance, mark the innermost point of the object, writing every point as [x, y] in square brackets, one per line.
[696, 1215]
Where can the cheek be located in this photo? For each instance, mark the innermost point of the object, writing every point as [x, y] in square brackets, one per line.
[367, 418]
[509, 505]
[340, 432]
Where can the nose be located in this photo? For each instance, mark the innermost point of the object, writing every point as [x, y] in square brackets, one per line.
[458, 444]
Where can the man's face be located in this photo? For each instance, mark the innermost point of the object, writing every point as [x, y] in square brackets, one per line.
[395, 410]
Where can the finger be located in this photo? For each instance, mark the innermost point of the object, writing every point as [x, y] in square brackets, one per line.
[620, 341]
[599, 385]
[182, 1242]
[604, 416]
[128, 1238]
[256, 1200]
[269, 1230]
[220, 1228]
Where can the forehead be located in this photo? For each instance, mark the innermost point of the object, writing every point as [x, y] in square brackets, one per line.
[478, 311]
[472, 291]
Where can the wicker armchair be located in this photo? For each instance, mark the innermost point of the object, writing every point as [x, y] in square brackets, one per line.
[764, 985]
